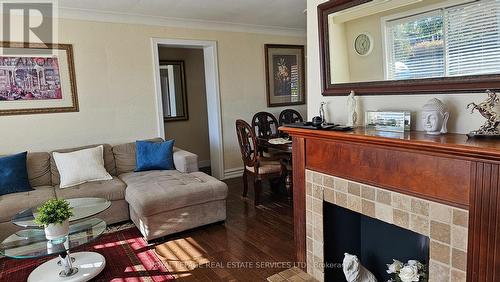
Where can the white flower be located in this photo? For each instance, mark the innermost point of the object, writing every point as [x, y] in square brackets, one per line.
[413, 262]
[394, 267]
[416, 263]
[409, 273]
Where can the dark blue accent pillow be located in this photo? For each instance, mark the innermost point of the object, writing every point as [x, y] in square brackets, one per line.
[154, 155]
[13, 174]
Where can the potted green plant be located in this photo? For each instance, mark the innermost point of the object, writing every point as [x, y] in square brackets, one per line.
[54, 216]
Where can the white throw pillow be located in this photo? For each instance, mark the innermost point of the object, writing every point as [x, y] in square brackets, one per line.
[81, 166]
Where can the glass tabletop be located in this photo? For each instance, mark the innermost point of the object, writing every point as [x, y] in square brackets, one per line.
[31, 243]
[82, 208]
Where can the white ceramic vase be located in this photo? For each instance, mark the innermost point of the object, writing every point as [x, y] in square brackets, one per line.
[57, 231]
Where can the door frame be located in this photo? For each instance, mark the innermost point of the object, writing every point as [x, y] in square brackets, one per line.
[212, 90]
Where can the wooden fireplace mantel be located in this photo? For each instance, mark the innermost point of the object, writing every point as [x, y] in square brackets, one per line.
[449, 169]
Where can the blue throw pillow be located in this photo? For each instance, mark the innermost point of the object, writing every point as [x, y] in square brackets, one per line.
[154, 155]
[13, 174]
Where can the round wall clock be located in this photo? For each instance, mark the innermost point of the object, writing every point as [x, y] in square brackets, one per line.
[363, 44]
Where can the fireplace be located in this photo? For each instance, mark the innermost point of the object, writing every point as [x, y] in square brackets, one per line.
[437, 233]
[374, 242]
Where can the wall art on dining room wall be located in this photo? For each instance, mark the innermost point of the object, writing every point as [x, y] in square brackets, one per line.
[285, 75]
[37, 78]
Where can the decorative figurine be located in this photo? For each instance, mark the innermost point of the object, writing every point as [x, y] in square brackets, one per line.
[435, 117]
[352, 115]
[388, 121]
[486, 109]
[354, 271]
[322, 112]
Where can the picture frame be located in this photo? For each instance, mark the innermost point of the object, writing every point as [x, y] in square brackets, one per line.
[174, 90]
[37, 78]
[285, 75]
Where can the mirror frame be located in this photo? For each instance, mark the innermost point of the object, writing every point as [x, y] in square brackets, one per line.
[184, 91]
[455, 85]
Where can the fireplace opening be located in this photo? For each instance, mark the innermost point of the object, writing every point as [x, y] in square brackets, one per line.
[374, 242]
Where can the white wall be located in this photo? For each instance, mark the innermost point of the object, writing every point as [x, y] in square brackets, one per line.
[461, 121]
[115, 79]
[358, 64]
[339, 58]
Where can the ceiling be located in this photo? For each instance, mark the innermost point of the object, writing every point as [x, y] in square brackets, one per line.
[283, 14]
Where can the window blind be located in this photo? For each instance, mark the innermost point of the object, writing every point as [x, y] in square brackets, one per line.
[473, 38]
[416, 48]
[455, 41]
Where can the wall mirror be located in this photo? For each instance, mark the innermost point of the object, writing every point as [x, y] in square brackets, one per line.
[173, 90]
[383, 47]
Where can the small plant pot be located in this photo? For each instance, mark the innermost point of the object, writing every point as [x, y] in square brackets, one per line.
[57, 231]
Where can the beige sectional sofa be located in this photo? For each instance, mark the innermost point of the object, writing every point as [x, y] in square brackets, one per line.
[158, 202]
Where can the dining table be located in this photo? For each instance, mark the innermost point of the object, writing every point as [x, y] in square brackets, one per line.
[283, 148]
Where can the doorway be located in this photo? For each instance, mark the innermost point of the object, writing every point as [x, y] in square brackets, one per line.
[213, 110]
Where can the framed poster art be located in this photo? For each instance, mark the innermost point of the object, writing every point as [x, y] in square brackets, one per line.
[37, 78]
[285, 75]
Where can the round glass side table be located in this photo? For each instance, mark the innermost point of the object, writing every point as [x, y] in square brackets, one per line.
[82, 208]
[75, 267]
[81, 266]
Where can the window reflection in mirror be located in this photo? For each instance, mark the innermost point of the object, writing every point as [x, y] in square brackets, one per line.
[173, 89]
[412, 39]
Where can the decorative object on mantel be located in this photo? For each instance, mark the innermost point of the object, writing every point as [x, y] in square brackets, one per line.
[320, 121]
[354, 271]
[37, 78]
[435, 115]
[322, 113]
[388, 121]
[352, 115]
[412, 271]
[486, 109]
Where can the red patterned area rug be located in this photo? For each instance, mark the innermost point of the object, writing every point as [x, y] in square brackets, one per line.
[128, 258]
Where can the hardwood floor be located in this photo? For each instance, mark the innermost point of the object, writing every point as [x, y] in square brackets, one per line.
[253, 244]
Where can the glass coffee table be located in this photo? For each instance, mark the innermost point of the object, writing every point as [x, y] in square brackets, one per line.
[31, 243]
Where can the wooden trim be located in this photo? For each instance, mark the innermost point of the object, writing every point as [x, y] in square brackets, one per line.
[72, 78]
[483, 256]
[463, 84]
[299, 199]
[393, 169]
[456, 145]
[302, 70]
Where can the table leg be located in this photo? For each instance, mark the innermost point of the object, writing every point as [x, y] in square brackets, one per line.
[67, 263]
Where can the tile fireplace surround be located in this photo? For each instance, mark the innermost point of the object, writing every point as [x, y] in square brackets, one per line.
[446, 226]
[424, 183]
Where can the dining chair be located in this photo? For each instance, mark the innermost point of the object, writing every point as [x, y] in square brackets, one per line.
[255, 165]
[265, 125]
[289, 116]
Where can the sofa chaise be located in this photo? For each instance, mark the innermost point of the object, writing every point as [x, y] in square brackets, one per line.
[159, 202]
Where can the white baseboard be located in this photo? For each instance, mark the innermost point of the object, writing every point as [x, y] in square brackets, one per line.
[205, 163]
[233, 172]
